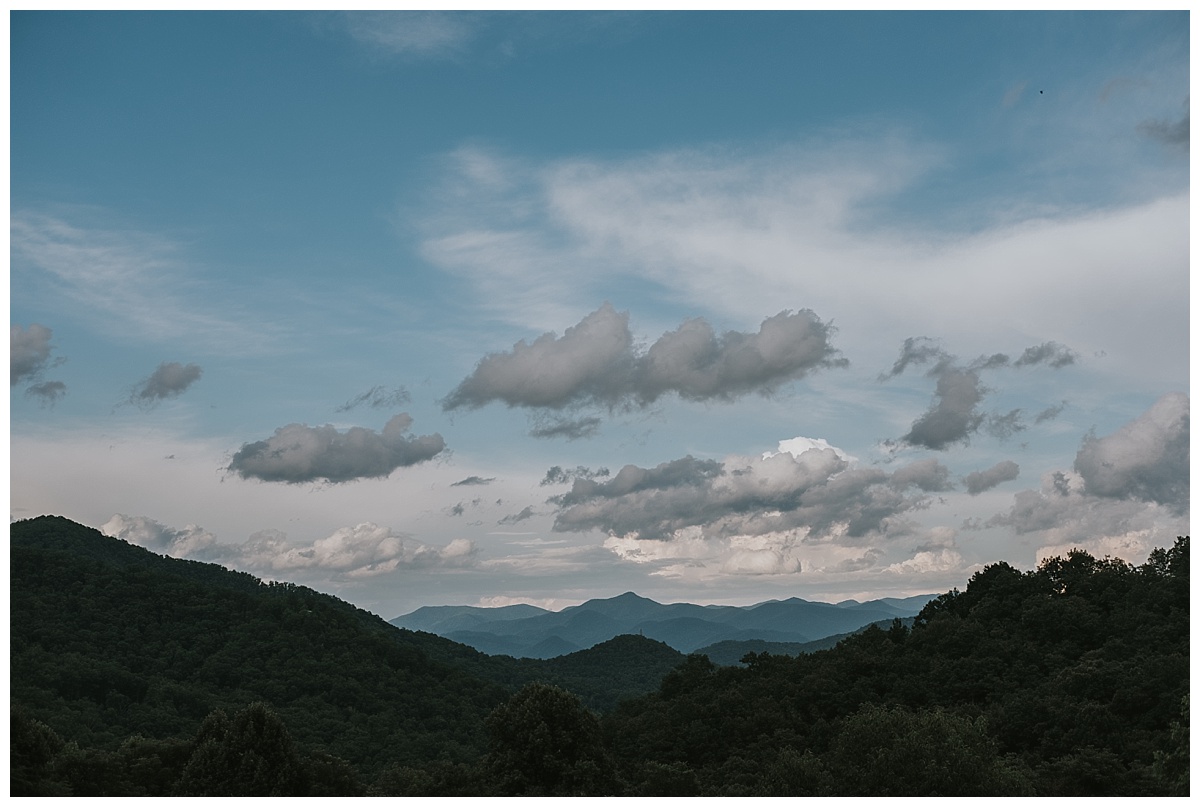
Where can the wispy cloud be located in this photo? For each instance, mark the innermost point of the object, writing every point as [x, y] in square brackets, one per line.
[736, 234]
[414, 34]
[134, 285]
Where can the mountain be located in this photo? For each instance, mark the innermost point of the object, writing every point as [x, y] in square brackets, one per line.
[109, 640]
[730, 652]
[686, 627]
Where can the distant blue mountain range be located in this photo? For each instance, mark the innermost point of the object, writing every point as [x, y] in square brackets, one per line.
[531, 632]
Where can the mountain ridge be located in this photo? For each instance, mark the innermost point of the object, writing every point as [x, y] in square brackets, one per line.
[534, 632]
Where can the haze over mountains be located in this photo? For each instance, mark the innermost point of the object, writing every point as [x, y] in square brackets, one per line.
[532, 632]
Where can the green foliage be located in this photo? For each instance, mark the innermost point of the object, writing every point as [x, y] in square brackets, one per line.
[544, 742]
[1063, 681]
[892, 751]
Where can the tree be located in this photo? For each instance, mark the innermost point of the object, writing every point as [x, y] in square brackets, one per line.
[543, 741]
[891, 751]
[251, 755]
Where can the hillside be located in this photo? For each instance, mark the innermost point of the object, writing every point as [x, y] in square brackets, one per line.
[134, 674]
[109, 640]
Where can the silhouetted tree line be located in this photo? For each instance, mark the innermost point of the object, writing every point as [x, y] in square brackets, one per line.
[1071, 679]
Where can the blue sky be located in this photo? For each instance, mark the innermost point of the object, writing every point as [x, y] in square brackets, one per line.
[438, 307]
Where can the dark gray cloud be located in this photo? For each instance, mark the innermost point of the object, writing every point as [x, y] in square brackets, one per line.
[591, 361]
[168, 381]
[917, 350]
[596, 363]
[1050, 413]
[377, 398]
[29, 352]
[1003, 427]
[517, 517]
[557, 476]
[1147, 459]
[299, 453]
[571, 429]
[473, 480]
[954, 413]
[979, 481]
[48, 393]
[953, 416]
[1173, 133]
[816, 493]
[928, 474]
[1051, 354]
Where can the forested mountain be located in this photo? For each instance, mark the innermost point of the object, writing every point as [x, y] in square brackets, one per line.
[109, 641]
[134, 674]
[527, 631]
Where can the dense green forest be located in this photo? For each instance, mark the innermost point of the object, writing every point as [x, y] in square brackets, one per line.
[135, 674]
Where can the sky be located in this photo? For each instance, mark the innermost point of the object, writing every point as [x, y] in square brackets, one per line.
[426, 308]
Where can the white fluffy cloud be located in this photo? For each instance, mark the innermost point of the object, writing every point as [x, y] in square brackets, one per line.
[364, 550]
[815, 495]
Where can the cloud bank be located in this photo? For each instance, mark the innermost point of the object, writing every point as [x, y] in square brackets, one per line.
[364, 550]
[596, 363]
[815, 496]
[1128, 491]
[298, 453]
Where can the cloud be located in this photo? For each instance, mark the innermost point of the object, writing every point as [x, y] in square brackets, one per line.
[1013, 94]
[816, 495]
[1171, 133]
[298, 453]
[591, 361]
[557, 476]
[928, 474]
[1061, 515]
[734, 231]
[365, 550]
[979, 481]
[414, 34]
[168, 381]
[128, 282]
[190, 542]
[566, 427]
[517, 517]
[1050, 413]
[1049, 353]
[28, 352]
[377, 398]
[473, 480]
[1003, 427]
[954, 414]
[917, 350]
[1147, 459]
[595, 363]
[952, 417]
[48, 393]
